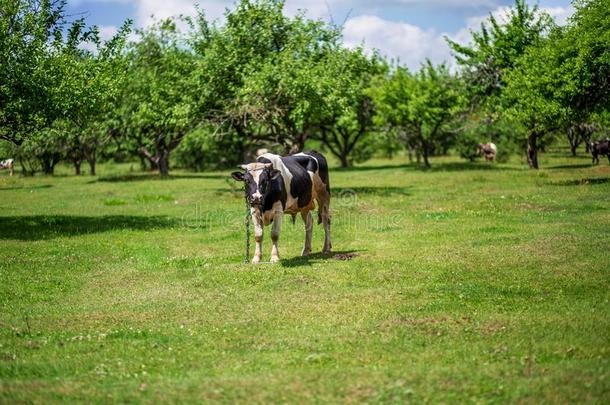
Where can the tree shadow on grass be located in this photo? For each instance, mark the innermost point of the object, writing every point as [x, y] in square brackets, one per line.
[155, 176]
[35, 187]
[298, 261]
[576, 166]
[338, 192]
[42, 227]
[581, 182]
[436, 167]
[345, 192]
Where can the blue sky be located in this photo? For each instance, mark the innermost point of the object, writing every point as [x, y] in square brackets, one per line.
[410, 30]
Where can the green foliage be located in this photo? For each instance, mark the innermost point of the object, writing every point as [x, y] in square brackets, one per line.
[420, 105]
[494, 50]
[561, 81]
[28, 81]
[208, 148]
[348, 117]
[159, 98]
[265, 73]
[261, 78]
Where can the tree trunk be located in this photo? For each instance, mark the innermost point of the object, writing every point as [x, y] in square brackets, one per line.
[92, 163]
[298, 143]
[573, 149]
[296, 147]
[163, 163]
[77, 164]
[425, 152]
[344, 160]
[532, 150]
[426, 162]
[48, 167]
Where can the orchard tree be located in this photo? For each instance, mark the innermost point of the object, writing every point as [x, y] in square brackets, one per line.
[88, 88]
[349, 109]
[261, 71]
[564, 80]
[158, 100]
[31, 31]
[421, 104]
[486, 61]
[495, 49]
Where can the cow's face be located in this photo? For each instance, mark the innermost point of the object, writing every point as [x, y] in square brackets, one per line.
[257, 178]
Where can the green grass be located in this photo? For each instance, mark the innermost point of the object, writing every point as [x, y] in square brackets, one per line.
[472, 283]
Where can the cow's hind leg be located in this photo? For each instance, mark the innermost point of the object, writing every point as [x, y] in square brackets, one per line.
[308, 219]
[275, 236]
[323, 199]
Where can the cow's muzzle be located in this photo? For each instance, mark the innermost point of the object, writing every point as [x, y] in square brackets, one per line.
[255, 201]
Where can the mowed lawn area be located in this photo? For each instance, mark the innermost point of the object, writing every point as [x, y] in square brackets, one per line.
[467, 283]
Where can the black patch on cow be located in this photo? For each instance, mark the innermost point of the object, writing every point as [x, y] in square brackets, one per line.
[300, 185]
[276, 192]
[261, 159]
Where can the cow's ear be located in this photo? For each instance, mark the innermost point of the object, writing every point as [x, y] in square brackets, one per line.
[275, 174]
[239, 176]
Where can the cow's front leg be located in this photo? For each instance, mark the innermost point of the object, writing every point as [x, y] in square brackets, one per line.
[308, 232]
[275, 236]
[258, 236]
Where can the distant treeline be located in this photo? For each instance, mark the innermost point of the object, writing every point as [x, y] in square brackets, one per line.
[209, 94]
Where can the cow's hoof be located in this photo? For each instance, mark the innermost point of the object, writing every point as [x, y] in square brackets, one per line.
[256, 260]
[305, 252]
[326, 252]
[275, 259]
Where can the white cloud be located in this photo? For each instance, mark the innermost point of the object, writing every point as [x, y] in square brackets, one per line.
[107, 31]
[560, 14]
[410, 43]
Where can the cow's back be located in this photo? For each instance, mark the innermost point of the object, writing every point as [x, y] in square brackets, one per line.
[297, 182]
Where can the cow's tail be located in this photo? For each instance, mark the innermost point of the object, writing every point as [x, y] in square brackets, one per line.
[323, 200]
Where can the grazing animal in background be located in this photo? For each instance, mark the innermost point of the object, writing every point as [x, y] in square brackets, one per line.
[7, 164]
[488, 150]
[278, 185]
[600, 148]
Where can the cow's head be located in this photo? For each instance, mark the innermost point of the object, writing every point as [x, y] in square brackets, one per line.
[258, 178]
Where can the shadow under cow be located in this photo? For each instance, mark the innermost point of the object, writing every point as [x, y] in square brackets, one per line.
[298, 261]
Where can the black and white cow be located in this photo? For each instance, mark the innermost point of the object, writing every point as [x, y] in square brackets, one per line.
[277, 185]
[7, 164]
[600, 148]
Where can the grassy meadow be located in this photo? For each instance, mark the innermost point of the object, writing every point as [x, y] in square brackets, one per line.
[470, 282]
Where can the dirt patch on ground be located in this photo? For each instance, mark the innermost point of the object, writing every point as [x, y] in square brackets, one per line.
[345, 256]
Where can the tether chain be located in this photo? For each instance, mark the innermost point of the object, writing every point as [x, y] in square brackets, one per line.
[247, 222]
